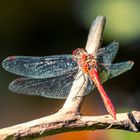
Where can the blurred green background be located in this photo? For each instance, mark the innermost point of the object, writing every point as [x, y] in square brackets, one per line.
[48, 27]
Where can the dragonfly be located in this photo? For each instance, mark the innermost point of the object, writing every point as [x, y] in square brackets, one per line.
[92, 67]
[52, 76]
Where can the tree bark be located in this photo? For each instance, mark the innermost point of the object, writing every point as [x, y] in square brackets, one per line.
[68, 118]
[66, 122]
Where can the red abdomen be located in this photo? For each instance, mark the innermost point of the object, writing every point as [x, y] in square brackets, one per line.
[108, 104]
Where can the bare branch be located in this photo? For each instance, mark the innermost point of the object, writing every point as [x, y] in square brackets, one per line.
[60, 123]
[95, 34]
[68, 118]
[73, 104]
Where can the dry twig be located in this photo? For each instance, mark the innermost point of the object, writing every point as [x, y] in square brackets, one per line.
[68, 117]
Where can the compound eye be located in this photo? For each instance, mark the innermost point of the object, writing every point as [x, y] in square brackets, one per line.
[74, 52]
[77, 51]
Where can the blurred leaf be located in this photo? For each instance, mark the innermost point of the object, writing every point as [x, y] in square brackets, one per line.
[122, 135]
[122, 17]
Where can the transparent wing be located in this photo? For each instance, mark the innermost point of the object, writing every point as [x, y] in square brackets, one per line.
[108, 53]
[119, 68]
[39, 67]
[112, 70]
[52, 66]
[56, 87]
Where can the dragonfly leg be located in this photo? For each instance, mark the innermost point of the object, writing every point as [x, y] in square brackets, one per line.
[109, 126]
[80, 87]
[77, 74]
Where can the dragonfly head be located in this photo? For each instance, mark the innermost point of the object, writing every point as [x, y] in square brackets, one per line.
[79, 52]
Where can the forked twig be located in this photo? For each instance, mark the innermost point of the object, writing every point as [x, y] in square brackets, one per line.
[68, 117]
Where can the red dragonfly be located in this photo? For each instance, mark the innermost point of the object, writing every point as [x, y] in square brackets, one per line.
[89, 66]
[53, 76]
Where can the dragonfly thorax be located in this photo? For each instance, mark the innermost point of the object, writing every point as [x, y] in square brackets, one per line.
[85, 60]
[90, 61]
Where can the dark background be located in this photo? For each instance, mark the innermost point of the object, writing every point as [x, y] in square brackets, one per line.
[38, 28]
